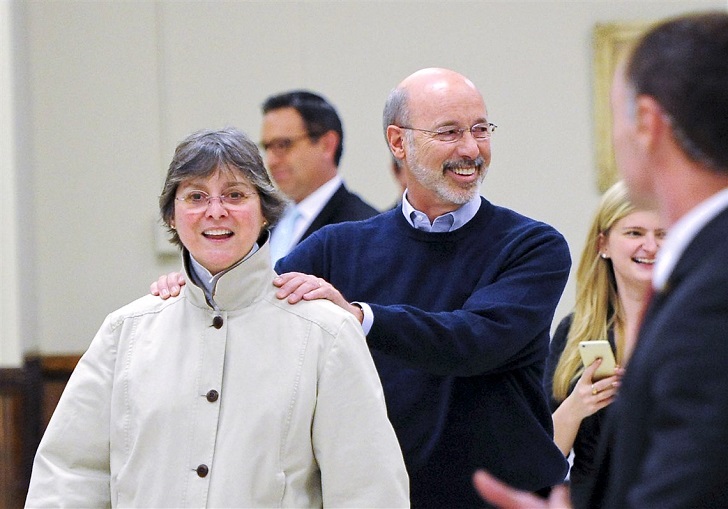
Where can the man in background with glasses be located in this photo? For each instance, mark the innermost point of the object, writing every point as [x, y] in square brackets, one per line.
[302, 140]
[456, 296]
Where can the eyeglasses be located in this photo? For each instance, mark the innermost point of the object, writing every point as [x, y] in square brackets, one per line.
[282, 145]
[480, 132]
[197, 201]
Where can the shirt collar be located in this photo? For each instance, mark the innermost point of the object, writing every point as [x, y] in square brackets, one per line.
[682, 233]
[458, 217]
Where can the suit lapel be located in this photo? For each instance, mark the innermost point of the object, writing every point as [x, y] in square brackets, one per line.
[325, 216]
[714, 231]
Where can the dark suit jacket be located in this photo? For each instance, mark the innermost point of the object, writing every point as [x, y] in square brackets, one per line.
[667, 435]
[342, 206]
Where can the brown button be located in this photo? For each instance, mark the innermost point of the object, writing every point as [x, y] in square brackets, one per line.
[202, 470]
[217, 321]
[212, 395]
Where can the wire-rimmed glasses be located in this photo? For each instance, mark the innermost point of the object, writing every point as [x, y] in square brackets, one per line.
[197, 201]
[481, 131]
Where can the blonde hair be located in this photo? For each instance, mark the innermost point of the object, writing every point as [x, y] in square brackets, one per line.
[597, 306]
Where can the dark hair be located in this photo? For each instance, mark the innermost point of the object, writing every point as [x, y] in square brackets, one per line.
[203, 153]
[319, 116]
[683, 64]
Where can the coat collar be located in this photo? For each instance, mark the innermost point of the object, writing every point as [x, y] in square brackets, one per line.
[238, 286]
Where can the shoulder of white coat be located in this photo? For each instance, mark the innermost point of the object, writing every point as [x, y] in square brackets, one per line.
[321, 313]
[148, 304]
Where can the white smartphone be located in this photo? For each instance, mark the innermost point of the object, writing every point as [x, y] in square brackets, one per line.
[592, 350]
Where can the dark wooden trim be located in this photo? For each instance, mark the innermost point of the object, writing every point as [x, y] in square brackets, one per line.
[23, 392]
[55, 366]
[23, 389]
[11, 378]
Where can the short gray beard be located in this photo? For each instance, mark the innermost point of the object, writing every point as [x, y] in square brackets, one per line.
[437, 182]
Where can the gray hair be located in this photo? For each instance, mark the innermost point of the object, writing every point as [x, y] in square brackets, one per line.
[396, 109]
[397, 112]
[203, 153]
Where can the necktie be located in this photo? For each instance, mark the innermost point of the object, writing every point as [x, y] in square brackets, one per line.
[281, 240]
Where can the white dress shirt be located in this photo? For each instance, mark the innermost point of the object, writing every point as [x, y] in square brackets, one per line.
[298, 218]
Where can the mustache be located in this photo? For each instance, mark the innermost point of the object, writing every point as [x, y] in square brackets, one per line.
[464, 163]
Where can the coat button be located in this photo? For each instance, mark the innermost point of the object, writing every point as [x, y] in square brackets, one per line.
[202, 470]
[212, 395]
[217, 321]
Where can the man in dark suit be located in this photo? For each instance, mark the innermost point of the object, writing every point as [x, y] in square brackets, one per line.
[666, 442]
[303, 140]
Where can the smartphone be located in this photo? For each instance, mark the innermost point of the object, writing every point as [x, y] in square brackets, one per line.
[592, 350]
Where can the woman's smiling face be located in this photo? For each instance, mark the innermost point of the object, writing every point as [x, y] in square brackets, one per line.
[632, 244]
[216, 233]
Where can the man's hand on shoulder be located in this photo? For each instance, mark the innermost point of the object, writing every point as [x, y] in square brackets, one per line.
[168, 285]
[296, 286]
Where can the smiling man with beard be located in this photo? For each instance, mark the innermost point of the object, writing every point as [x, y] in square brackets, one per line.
[456, 296]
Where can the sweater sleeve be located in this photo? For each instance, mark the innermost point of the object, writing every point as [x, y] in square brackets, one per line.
[503, 324]
[355, 446]
[556, 348]
[72, 464]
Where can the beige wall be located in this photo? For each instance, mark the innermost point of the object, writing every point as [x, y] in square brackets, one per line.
[10, 347]
[114, 85]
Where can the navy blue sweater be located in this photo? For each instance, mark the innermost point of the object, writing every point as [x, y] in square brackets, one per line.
[460, 335]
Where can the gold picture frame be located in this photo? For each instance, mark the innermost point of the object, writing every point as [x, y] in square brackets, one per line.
[611, 41]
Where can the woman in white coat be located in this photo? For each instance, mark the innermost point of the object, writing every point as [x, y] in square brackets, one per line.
[224, 396]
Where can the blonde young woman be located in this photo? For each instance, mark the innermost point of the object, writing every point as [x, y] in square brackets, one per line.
[612, 285]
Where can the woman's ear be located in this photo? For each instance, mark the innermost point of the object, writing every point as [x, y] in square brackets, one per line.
[602, 246]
